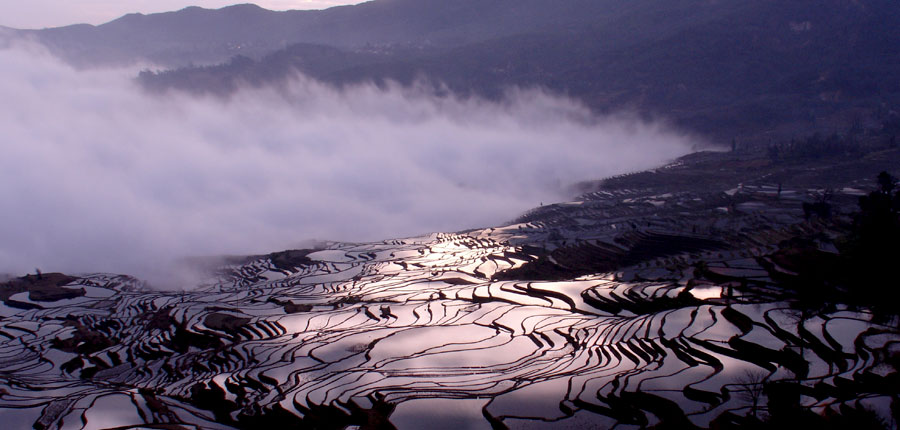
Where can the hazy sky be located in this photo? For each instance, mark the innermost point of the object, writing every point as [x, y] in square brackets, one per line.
[54, 13]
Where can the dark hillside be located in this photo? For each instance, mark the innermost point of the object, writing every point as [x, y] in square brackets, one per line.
[758, 70]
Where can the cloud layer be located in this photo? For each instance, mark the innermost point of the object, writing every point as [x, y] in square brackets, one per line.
[98, 176]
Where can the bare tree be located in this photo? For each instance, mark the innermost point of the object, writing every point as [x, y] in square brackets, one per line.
[752, 383]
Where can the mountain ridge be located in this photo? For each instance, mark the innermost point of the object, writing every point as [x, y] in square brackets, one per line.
[195, 30]
[726, 69]
[759, 71]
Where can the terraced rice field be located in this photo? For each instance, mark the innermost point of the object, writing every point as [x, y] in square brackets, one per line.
[521, 326]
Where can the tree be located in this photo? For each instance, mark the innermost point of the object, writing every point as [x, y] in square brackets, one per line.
[886, 182]
[821, 208]
[753, 389]
[873, 247]
[878, 216]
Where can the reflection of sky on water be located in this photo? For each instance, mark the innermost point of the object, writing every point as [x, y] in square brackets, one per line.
[447, 353]
[441, 414]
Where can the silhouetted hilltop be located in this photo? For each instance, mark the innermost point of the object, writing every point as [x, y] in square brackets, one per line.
[724, 69]
[756, 71]
[196, 35]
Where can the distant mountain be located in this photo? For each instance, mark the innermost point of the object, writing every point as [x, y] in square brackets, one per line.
[760, 70]
[196, 35]
[754, 70]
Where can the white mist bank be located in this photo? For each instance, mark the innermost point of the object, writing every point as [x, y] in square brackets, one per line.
[96, 175]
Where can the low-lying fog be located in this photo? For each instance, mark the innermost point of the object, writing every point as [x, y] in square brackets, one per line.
[96, 175]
